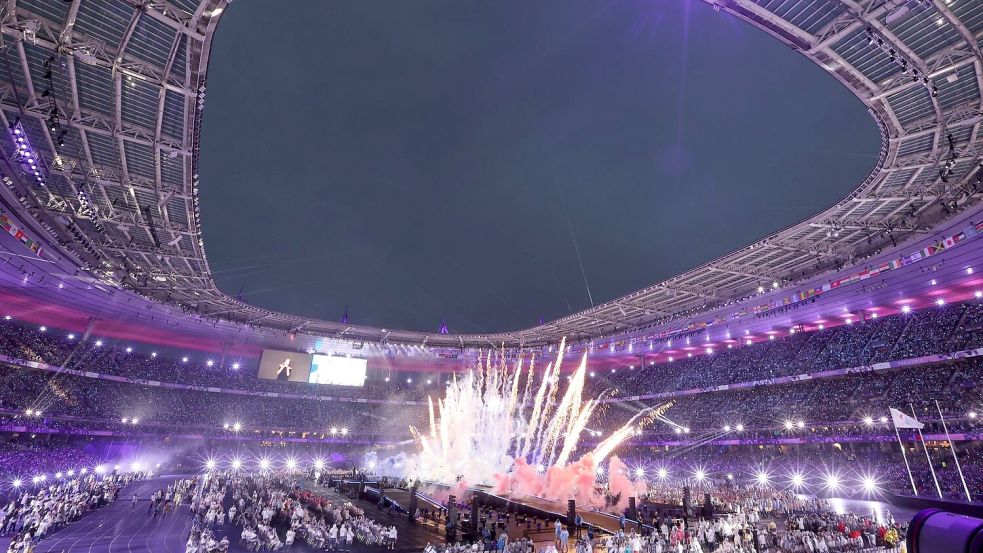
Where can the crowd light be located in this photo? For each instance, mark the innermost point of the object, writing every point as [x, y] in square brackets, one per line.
[129, 350]
[235, 366]
[17, 482]
[184, 359]
[153, 354]
[906, 309]
[730, 476]
[209, 363]
[98, 343]
[71, 336]
[973, 414]
[71, 473]
[225, 426]
[940, 302]
[726, 428]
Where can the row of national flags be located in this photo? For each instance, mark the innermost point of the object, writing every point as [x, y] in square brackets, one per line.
[21, 236]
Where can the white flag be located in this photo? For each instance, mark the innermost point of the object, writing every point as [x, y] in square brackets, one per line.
[904, 421]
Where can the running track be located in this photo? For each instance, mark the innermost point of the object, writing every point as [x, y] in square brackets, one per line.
[116, 528]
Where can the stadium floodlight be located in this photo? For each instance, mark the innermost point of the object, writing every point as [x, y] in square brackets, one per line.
[663, 474]
[868, 421]
[43, 329]
[677, 430]
[129, 349]
[71, 336]
[235, 366]
[291, 464]
[833, 481]
[210, 464]
[35, 479]
[800, 425]
[739, 427]
[763, 478]
[639, 472]
[225, 426]
[98, 343]
[685, 430]
[236, 463]
[84, 470]
[883, 420]
[153, 354]
[873, 315]
[58, 475]
[319, 464]
[906, 309]
[789, 425]
[973, 414]
[700, 475]
[333, 430]
[344, 431]
[978, 294]
[236, 427]
[134, 421]
[264, 463]
[209, 363]
[17, 482]
[730, 476]
[71, 473]
[29, 412]
[940, 302]
[409, 381]
[726, 428]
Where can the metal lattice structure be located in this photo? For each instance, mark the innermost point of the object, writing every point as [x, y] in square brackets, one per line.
[111, 93]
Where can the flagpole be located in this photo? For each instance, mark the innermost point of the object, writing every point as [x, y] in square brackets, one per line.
[927, 457]
[952, 447]
[905, 457]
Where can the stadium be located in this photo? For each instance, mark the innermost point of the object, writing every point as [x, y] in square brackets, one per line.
[815, 389]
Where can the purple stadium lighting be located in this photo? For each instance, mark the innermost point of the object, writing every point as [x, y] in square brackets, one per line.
[25, 154]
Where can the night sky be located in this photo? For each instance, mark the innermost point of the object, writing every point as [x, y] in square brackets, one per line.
[430, 159]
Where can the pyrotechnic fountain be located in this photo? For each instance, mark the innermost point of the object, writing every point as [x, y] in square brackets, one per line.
[497, 425]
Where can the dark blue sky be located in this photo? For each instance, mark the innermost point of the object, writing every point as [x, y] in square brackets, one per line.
[436, 158]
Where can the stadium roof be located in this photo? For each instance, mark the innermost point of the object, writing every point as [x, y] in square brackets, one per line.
[110, 95]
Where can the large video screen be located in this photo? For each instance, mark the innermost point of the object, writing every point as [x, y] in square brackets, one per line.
[285, 365]
[340, 371]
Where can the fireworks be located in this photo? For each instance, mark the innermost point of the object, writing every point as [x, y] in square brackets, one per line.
[483, 431]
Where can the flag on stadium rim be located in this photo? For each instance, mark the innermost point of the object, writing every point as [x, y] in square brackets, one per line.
[904, 421]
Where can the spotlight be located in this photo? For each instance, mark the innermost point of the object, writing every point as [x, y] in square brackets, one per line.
[739, 427]
[685, 430]
[210, 464]
[235, 366]
[699, 475]
[236, 463]
[318, 464]
[940, 302]
[43, 329]
[726, 428]
[800, 425]
[153, 354]
[98, 343]
[291, 464]
[906, 309]
[264, 464]
[730, 476]
[225, 426]
[209, 363]
[334, 430]
[663, 474]
[833, 482]
[129, 350]
[236, 427]
[797, 480]
[972, 414]
[71, 336]
[882, 420]
[639, 472]
[789, 425]
[17, 482]
[868, 421]
[344, 431]
[184, 359]
[869, 484]
[763, 478]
